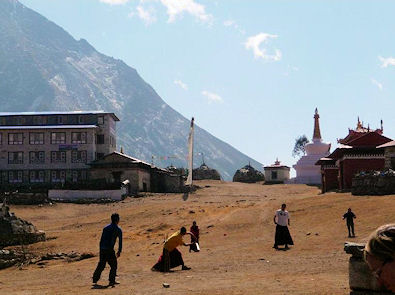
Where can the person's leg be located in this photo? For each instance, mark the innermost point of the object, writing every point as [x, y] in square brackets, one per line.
[100, 267]
[112, 261]
[166, 260]
[352, 229]
[349, 230]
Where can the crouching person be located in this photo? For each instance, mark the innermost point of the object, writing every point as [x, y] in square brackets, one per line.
[171, 257]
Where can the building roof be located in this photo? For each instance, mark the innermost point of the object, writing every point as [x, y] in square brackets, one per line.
[47, 127]
[325, 161]
[388, 144]
[48, 113]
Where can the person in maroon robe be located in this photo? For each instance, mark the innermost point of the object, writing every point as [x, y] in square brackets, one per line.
[194, 238]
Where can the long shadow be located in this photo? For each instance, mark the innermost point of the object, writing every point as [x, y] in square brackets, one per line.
[185, 196]
[100, 287]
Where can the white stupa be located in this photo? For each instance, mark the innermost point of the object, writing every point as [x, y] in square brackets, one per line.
[306, 170]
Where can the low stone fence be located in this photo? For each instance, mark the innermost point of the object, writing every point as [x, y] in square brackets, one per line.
[17, 198]
[361, 280]
[71, 195]
[374, 183]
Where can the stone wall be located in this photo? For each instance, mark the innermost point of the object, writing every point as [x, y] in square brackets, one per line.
[25, 198]
[374, 183]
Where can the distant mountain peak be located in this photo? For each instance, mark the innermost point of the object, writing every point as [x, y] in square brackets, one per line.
[43, 68]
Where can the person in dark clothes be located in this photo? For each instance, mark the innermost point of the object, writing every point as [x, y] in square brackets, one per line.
[107, 254]
[282, 221]
[349, 216]
[194, 238]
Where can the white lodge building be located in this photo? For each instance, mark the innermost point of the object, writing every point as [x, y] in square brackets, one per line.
[52, 147]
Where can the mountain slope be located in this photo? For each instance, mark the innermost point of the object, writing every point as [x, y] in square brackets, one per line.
[43, 68]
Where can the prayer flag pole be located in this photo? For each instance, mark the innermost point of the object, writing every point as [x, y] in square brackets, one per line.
[190, 153]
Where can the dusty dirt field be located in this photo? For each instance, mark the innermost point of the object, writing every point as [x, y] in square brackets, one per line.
[236, 257]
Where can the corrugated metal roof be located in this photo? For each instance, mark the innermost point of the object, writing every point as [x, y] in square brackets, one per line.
[47, 127]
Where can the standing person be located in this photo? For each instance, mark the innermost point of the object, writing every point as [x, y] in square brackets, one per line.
[171, 257]
[380, 255]
[349, 216]
[107, 254]
[194, 238]
[282, 221]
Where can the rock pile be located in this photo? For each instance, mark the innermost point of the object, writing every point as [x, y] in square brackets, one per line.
[18, 198]
[16, 231]
[248, 174]
[204, 172]
[374, 183]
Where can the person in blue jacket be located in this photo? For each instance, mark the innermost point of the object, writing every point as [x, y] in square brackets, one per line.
[107, 253]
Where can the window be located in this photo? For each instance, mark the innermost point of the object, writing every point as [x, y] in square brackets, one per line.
[38, 120]
[20, 120]
[3, 121]
[37, 157]
[15, 176]
[58, 157]
[36, 176]
[61, 120]
[393, 163]
[58, 137]
[112, 141]
[81, 119]
[274, 174]
[99, 156]
[78, 137]
[15, 138]
[15, 158]
[74, 176]
[36, 138]
[58, 176]
[1, 138]
[100, 120]
[100, 139]
[78, 156]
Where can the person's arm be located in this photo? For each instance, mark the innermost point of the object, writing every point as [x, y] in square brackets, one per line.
[192, 235]
[274, 219]
[344, 216]
[119, 243]
[354, 216]
[289, 221]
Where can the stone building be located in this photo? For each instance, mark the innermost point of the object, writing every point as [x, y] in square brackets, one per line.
[276, 173]
[205, 172]
[53, 147]
[140, 176]
[248, 174]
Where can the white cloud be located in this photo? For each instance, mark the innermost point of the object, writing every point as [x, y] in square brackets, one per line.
[146, 15]
[385, 62]
[233, 24]
[176, 8]
[212, 97]
[114, 2]
[181, 84]
[377, 83]
[254, 43]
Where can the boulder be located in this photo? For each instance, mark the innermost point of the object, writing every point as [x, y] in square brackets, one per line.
[16, 231]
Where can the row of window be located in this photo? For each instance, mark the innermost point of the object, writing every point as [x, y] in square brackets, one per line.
[43, 120]
[38, 138]
[38, 176]
[39, 157]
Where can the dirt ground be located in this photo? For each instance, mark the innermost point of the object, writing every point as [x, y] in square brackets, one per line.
[236, 225]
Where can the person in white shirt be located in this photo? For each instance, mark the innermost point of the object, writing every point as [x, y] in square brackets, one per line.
[282, 221]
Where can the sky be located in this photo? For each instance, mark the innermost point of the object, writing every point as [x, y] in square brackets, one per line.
[251, 72]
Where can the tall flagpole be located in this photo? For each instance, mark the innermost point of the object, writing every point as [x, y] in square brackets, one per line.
[190, 153]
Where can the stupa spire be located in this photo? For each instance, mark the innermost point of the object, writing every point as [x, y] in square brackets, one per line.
[317, 132]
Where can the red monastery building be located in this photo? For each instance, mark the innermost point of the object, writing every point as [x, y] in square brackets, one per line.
[355, 153]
